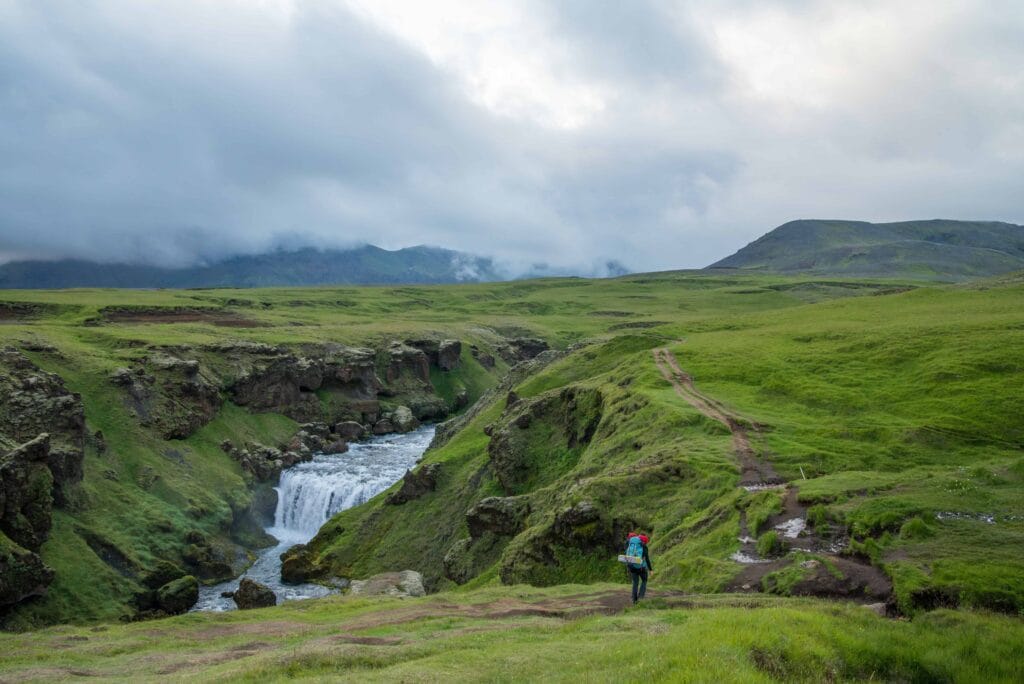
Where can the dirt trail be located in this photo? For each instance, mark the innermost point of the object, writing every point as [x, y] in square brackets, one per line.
[838, 576]
[755, 471]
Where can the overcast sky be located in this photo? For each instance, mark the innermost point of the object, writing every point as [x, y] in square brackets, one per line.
[661, 134]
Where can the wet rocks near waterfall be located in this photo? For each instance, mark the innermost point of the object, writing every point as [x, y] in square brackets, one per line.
[252, 594]
[403, 419]
[415, 484]
[350, 430]
[265, 463]
[404, 584]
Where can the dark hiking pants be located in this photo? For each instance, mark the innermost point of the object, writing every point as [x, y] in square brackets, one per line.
[639, 583]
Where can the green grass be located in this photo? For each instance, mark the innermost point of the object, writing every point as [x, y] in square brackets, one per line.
[504, 635]
[897, 407]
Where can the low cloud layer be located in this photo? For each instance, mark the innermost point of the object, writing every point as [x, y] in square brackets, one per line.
[657, 134]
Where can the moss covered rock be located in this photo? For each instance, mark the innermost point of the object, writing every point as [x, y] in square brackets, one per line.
[179, 595]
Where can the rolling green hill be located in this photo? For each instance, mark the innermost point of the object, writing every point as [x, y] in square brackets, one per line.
[366, 265]
[932, 250]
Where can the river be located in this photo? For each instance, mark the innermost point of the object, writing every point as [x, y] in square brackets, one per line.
[310, 493]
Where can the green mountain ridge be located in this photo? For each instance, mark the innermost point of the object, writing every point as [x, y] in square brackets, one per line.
[937, 249]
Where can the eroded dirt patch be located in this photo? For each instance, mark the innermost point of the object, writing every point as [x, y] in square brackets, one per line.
[218, 317]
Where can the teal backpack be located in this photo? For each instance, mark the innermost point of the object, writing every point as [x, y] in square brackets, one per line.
[635, 549]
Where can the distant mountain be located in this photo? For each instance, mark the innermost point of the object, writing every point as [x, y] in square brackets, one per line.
[367, 265]
[935, 250]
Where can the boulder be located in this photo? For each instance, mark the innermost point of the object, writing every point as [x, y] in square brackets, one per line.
[499, 515]
[296, 566]
[178, 596]
[338, 446]
[404, 420]
[350, 430]
[415, 484]
[383, 427]
[461, 399]
[162, 573]
[406, 583]
[449, 354]
[252, 594]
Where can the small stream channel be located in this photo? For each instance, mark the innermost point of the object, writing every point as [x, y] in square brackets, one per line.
[310, 493]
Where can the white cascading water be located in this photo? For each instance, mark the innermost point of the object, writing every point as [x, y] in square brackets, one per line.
[310, 493]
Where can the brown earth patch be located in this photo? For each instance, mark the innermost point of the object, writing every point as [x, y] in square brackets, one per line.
[15, 312]
[366, 640]
[218, 317]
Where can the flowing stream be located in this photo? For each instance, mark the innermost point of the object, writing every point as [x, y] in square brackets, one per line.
[310, 493]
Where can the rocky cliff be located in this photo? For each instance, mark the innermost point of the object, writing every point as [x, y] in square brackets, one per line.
[158, 413]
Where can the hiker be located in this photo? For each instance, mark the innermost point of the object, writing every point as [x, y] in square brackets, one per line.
[636, 547]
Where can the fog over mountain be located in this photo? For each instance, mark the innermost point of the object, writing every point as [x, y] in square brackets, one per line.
[568, 134]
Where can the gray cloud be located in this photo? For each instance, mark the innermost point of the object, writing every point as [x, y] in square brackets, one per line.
[177, 132]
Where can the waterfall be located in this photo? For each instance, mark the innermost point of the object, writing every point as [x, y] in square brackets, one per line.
[310, 493]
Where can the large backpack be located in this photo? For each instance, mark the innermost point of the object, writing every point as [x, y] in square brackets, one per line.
[635, 553]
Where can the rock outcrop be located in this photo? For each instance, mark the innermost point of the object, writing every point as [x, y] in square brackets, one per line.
[25, 493]
[32, 402]
[404, 584]
[503, 516]
[521, 349]
[23, 574]
[25, 518]
[583, 527]
[169, 393]
[415, 484]
[407, 363]
[573, 412]
[284, 382]
[252, 594]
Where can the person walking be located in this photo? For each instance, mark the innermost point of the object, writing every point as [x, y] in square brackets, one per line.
[640, 572]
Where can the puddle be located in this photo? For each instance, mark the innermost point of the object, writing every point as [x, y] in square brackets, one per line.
[791, 529]
[761, 486]
[747, 559]
[954, 515]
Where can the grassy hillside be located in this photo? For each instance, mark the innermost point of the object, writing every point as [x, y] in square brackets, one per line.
[898, 403]
[935, 250]
[901, 411]
[565, 633]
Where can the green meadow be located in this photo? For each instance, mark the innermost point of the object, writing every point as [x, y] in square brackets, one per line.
[893, 408]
